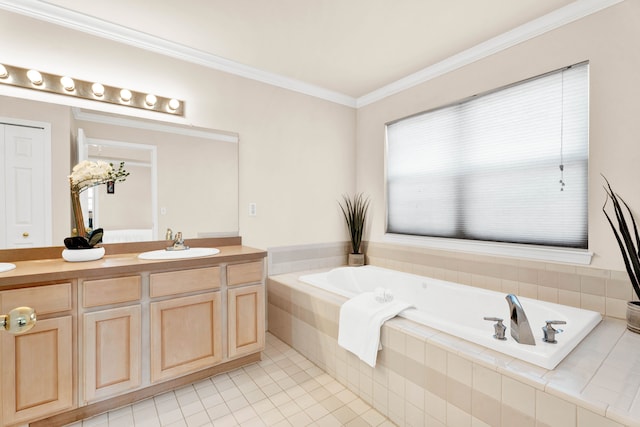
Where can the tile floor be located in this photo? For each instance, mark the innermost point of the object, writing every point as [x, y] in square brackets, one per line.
[284, 389]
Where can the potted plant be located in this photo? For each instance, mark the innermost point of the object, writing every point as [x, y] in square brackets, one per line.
[629, 247]
[355, 214]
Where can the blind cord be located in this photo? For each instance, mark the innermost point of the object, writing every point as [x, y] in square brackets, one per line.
[562, 183]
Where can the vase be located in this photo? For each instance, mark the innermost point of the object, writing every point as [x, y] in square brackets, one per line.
[81, 255]
[355, 260]
[633, 316]
[77, 213]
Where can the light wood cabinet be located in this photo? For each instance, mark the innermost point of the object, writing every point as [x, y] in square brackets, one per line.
[111, 341]
[114, 290]
[37, 373]
[183, 281]
[185, 335]
[245, 320]
[37, 366]
[124, 334]
[48, 299]
[112, 351]
[245, 273]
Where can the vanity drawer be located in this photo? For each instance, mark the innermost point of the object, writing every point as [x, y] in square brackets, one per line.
[114, 290]
[43, 299]
[248, 272]
[179, 282]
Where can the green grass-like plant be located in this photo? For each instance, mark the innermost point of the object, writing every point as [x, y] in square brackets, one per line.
[629, 243]
[355, 214]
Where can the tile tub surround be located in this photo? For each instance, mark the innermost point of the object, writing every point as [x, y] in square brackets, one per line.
[427, 377]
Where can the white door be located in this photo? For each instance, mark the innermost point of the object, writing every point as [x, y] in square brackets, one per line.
[26, 192]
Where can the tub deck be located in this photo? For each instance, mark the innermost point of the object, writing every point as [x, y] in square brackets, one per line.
[458, 310]
[599, 378]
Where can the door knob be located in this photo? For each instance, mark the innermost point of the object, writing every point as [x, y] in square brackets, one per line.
[25, 234]
[19, 320]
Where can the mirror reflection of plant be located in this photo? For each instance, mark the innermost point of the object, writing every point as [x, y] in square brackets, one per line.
[629, 244]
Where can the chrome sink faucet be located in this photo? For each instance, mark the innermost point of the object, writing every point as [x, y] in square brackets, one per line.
[520, 328]
[178, 243]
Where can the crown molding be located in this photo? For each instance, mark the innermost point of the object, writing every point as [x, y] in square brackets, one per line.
[565, 15]
[87, 24]
[98, 27]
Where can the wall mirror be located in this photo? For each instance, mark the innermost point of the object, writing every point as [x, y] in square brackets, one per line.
[104, 207]
[181, 177]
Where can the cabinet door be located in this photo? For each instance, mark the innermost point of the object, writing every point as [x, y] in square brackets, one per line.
[245, 320]
[185, 335]
[112, 348]
[37, 371]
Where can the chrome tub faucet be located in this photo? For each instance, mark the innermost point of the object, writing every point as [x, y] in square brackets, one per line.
[549, 331]
[520, 328]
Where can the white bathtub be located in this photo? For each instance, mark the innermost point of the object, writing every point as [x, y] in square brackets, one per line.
[459, 310]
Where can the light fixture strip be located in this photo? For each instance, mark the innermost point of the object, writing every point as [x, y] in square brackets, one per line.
[17, 76]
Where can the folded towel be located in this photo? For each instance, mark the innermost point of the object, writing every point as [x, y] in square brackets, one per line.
[360, 320]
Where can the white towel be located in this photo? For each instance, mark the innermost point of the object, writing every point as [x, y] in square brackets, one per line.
[360, 320]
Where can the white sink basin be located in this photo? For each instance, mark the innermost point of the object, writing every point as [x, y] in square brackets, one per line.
[6, 266]
[187, 253]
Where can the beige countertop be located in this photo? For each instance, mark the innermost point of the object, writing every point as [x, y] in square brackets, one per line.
[46, 271]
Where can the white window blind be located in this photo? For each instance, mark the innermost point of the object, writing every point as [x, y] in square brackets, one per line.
[507, 166]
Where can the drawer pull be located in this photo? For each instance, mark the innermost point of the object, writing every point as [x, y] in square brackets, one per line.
[25, 234]
[19, 320]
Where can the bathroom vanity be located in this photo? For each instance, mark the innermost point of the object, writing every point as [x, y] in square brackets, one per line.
[121, 329]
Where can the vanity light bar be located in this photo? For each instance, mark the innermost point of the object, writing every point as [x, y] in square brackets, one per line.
[94, 91]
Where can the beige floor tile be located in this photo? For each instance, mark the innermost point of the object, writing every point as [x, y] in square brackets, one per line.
[284, 389]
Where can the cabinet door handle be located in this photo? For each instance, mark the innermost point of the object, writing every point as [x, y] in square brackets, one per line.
[19, 320]
[25, 234]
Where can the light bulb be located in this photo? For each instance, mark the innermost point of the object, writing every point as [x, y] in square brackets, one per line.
[67, 83]
[35, 77]
[150, 100]
[125, 95]
[174, 104]
[98, 89]
[3, 72]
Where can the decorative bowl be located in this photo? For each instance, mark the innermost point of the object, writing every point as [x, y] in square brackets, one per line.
[81, 255]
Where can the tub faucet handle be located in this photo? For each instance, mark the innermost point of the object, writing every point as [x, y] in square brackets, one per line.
[550, 332]
[499, 328]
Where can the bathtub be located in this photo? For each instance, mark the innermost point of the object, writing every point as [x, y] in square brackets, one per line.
[459, 310]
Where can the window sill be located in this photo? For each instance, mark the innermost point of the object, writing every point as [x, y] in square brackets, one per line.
[510, 250]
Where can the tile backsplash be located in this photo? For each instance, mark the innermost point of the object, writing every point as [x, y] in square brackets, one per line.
[287, 259]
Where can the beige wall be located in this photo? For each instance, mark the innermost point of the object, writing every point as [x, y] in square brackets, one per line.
[297, 152]
[609, 40]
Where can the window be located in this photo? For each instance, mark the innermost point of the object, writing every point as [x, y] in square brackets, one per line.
[507, 166]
